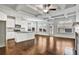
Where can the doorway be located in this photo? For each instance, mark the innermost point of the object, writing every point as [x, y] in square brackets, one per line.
[2, 37]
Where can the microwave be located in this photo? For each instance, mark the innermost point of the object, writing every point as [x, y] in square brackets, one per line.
[17, 27]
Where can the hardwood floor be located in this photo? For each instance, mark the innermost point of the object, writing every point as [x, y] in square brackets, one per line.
[23, 48]
[60, 44]
[2, 51]
[55, 46]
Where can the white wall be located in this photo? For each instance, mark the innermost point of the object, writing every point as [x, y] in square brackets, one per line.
[77, 27]
[3, 16]
[77, 18]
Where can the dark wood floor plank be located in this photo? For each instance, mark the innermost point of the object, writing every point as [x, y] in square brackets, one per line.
[2, 50]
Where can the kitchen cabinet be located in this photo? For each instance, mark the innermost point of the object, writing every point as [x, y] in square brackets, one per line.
[10, 22]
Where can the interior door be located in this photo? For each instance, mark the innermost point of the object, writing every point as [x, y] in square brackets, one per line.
[2, 36]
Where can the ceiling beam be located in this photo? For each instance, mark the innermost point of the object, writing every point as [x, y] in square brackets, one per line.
[62, 6]
[19, 7]
[38, 10]
[69, 10]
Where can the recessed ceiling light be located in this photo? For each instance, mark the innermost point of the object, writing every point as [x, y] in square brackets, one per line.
[45, 10]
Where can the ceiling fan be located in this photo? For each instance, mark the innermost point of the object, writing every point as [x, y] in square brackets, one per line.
[48, 7]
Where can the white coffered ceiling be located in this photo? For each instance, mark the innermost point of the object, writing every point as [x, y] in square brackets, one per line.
[37, 9]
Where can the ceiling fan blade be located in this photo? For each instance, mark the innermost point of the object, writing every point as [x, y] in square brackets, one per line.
[52, 9]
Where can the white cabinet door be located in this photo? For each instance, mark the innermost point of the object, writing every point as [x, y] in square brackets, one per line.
[10, 23]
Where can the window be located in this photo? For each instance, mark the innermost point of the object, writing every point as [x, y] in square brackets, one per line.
[40, 30]
[29, 29]
[33, 29]
[44, 30]
[65, 30]
[61, 30]
[68, 30]
[29, 26]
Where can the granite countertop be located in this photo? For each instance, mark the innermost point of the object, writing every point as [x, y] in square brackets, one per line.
[63, 36]
[42, 34]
